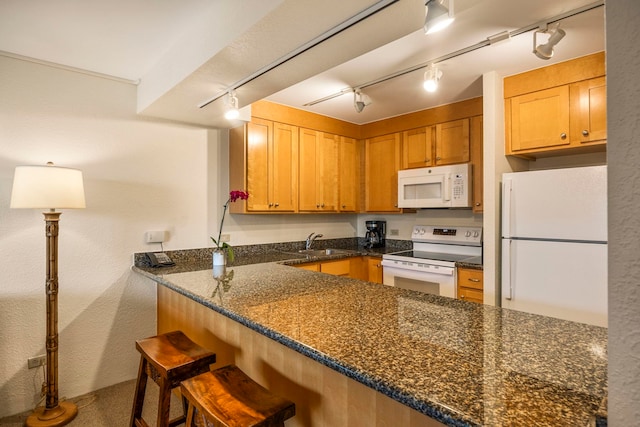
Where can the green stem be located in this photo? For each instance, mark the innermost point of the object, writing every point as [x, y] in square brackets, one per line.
[222, 223]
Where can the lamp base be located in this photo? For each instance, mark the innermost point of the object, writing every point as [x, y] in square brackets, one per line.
[61, 415]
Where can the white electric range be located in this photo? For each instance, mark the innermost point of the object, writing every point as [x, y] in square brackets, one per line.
[431, 266]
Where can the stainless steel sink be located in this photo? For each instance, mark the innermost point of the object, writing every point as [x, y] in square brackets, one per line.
[325, 252]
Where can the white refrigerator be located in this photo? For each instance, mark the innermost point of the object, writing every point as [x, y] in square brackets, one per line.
[554, 243]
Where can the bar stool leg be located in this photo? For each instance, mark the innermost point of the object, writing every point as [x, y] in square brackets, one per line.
[141, 386]
[164, 400]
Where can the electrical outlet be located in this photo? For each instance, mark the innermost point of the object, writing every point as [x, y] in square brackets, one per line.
[225, 238]
[34, 362]
[394, 232]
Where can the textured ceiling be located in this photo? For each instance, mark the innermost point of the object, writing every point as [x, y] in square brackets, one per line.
[182, 53]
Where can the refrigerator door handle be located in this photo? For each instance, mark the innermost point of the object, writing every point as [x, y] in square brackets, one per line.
[506, 272]
[506, 207]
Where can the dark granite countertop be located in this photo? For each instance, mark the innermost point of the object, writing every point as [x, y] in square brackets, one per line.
[462, 363]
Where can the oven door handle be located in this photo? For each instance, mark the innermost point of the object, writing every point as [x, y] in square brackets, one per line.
[403, 270]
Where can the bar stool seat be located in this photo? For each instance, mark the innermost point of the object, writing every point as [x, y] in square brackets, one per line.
[168, 359]
[227, 397]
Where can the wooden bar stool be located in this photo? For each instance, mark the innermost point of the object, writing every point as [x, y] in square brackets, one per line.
[168, 359]
[227, 397]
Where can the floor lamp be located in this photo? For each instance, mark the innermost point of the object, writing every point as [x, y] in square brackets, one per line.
[50, 187]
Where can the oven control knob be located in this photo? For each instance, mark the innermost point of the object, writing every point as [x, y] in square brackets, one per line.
[467, 234]
[476, 234]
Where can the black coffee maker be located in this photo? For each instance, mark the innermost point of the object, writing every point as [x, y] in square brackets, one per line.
[376, 231]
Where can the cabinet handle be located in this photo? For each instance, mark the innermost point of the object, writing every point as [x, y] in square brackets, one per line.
[474, 280]
[270, 205]
[317, 205]
[585, 132]
[427, 160]
[461, 296]
[322, 205]
[478, 204]
[438, 158]
[344, 206]
[277, 204]
[563, 135]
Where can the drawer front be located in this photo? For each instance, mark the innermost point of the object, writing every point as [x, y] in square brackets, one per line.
[470, 278]
[469, 294]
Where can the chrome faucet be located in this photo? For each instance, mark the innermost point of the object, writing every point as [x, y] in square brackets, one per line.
[310, 239]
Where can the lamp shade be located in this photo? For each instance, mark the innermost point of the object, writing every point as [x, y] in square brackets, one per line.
[47, 187]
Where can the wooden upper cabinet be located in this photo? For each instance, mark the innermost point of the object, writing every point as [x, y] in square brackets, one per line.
[452, 142]
[318, 171]
[559, 109]
[263, 156]
[418, 147]
[441, 144]
[284, 167]
[348, 175]
[382, 162]
[588, 111]
[569, 117]
[259, 138]
[539, 120]
[477, 163]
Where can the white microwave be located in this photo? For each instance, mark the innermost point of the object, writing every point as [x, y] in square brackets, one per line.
[436, 187]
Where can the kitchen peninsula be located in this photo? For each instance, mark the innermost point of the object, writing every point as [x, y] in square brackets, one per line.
[350, 352]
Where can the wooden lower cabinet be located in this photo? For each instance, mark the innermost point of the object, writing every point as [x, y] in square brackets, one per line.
[357, 267]
[323, 397]
[341, 267]
[374, 269]
[470, 285]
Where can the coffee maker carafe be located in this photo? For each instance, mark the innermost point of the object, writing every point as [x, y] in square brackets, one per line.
[376, 231]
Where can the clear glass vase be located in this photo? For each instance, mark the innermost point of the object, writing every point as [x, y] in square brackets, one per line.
[219, 257]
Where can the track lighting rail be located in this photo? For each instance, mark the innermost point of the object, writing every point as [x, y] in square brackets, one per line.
[364, 14]
[487, 42]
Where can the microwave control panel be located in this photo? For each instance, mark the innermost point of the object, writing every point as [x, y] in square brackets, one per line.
[458, 189]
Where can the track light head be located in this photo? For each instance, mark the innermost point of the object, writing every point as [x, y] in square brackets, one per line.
[431, 78]
[545, 51]
[231, 106]
[437, 16]
[360, 100]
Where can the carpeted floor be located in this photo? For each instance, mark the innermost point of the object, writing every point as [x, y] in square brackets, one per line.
[108, 407]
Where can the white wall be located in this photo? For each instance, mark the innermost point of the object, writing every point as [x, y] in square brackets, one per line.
[139, 175]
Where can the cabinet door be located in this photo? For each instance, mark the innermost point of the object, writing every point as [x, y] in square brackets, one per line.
[477, 164]
[318, 172]
[259, 136]
[589, 111]
[348, 176]
[284, 168]
[327, 179]
[337, 268]
[311, 266]
[382, 162]
[452, 142]
[374, 268]
[539, 120]
[308, 194]
[417, 147]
